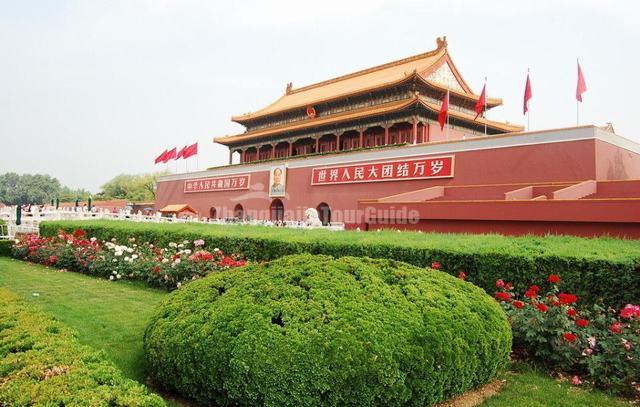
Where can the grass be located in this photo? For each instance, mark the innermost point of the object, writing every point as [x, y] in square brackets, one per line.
[109, 316]
[112, 316]
[526, 387]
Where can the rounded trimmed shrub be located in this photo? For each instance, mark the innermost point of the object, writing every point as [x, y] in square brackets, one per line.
[309, 330]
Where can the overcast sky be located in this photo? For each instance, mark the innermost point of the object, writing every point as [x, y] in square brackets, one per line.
[92, 89]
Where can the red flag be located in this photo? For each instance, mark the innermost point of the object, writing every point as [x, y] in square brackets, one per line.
[481, 104]
[170, 155]
[444, 111]
[160, 158]
[191, 150]
[582, 85]
[527, 95]
[181, 152]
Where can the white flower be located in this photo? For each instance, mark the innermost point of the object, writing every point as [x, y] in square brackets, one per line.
[118, 253]
[93, 239]
[177, 260]
[173, 244]
[132, 239]
[135, 256]
[115, 260]
[126, 258]
[179, 285]
[216, 250]
[129, 250]
[110, 278]
[185, 242]
[166, 277]
[114, 272]
[113, 239]
[69, 241]
[151, 246]
[165, 260]
[118, 276]
[187, 251]
[181, 245]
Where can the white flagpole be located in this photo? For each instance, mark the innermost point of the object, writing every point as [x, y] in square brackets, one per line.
[528, 106]
[485, 106]
[577, 101]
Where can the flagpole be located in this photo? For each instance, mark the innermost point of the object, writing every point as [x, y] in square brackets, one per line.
[485, 107]
[528, 107]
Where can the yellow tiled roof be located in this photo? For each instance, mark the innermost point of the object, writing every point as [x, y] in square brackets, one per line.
[367, 80]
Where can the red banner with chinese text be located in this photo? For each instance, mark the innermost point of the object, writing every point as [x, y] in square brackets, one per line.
[399, 170]
[230, 183]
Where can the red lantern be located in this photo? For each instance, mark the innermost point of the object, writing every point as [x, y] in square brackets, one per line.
[311, 112]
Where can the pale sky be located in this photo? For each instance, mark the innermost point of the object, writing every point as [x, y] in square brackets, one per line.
[93, 89]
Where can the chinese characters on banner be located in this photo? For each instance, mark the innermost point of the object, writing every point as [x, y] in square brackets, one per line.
[230, 183]
[423, 168]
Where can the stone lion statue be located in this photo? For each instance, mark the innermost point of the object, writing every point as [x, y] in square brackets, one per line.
[312, 218]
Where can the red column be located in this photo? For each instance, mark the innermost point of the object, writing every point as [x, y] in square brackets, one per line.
[337, 142]
[230, 156]
[361, 138]
[386, 135]
[415, 132]
[317, 144]
[243, 156]
[273, 151]
[290, 149]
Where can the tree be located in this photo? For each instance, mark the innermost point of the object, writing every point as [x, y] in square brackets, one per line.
[135, 188]
[36, 189]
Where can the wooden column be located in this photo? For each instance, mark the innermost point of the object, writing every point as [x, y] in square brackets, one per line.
[361, 131]
[230, 156]
[243, 156]
[290, 148]
[386, 135]
[317, 145]
[338, 142]
[273, 151]
[414, 135]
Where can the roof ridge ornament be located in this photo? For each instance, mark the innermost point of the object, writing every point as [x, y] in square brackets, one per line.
[289, 88]
[441, 42]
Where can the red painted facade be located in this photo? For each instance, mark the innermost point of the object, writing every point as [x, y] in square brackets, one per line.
[502, 184]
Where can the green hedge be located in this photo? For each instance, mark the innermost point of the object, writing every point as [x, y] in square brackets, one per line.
[603, 269]
[309, 330]
[5, 247]
[43, 364]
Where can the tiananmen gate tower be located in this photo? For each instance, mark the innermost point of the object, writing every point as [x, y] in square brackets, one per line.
[366, 149]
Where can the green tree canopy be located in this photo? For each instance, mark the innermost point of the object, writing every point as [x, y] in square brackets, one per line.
[135, 188]
[16, 189]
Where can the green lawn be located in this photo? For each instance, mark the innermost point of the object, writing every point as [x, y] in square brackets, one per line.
[107, 315]
[112, 316]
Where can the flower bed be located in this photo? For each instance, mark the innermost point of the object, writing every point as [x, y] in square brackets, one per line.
[43, 364]
[593, 344]
[587, 265]
[168, 267]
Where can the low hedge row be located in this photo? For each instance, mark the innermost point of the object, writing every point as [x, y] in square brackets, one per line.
[5, 247]
[43, 364]
[602, 269]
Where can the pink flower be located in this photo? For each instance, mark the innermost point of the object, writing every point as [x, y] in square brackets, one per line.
[198, 243]
[500, 284]
[616, 328]
[630, 311]
[592, 342]
[435, 265]
[462, 275]
[587, 352]
[575, 380]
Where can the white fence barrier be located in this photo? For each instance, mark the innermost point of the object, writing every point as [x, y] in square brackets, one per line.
[30, 220]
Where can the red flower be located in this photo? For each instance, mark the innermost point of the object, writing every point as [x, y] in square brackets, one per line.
[582, 323]
[572, 312]
[616, 328]
[534, 288]
[78, 233]
[630, 311]
[554, 279]
[565, 298]
[500, 284]
[555, 303]
[530, 294]
[156, 269]
[542, 307]
[518, 304]
[503, 296]
[435, 265]
[53, 260]
[569, 337]
[508, 286]
[462, 275]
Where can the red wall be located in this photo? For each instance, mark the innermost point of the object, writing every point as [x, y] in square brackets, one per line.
[565, 161]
